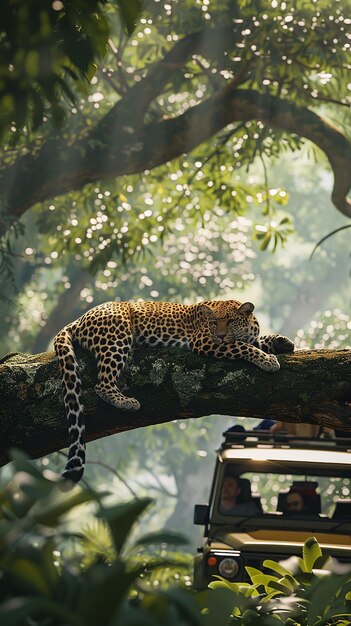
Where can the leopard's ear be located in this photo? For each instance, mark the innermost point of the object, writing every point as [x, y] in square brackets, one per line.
[246, 308]
[206, 310]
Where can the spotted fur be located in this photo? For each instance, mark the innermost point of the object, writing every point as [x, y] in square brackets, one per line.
[220, 329]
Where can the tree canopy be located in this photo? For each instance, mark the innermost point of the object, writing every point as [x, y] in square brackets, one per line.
[233, 80]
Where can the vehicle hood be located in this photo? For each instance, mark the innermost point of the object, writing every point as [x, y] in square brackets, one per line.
[282, 542]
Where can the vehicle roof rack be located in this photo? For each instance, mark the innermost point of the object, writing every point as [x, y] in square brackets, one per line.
[250, 438]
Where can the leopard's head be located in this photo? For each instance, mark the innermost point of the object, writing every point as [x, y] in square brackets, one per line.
[230, 321]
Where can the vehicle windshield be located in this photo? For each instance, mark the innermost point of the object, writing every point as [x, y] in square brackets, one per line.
[256, 493]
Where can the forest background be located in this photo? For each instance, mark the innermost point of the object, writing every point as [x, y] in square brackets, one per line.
[237, 215]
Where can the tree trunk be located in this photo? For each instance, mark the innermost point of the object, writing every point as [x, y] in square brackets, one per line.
[312, 386]
[65, 310]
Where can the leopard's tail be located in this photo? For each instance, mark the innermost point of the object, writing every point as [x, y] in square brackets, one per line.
[71, 384]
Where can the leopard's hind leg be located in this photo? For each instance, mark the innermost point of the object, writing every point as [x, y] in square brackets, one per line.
[107, 332]
[111, 359]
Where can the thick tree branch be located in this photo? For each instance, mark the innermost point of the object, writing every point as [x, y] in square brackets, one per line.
[232, 105]
[312, 386]
[210, 41]
[122, 124]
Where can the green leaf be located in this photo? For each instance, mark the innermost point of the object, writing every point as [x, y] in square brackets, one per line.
[67, 91]
[22, 463]
[276, 567]
[266, 241]
[254, 572]
[32, 575]
[322, 597]
[301, 564]
[220, 604]
[321, 561]
[249, 617]
[104, 588]
[130, 12]
[310, 553]
[90, 72]
[122, 517]
[259, 578]
[50, 510]
[71, 72]
[223, 583]
[281, 586]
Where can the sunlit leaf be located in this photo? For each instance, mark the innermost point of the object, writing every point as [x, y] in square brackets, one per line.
[311, 552]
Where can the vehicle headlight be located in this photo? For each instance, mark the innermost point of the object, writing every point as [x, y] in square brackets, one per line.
[228, 568]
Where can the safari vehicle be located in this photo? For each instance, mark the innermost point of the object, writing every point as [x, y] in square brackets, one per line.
[267, 469]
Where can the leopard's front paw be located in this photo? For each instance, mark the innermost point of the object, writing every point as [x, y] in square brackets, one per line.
[270, 364]
[282, 344]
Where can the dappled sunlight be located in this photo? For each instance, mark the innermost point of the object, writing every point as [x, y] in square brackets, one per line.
[331, 329]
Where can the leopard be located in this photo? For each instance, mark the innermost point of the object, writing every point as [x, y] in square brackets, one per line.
[221, 329]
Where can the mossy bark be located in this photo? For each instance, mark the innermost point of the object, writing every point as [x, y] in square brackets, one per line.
[311, 386]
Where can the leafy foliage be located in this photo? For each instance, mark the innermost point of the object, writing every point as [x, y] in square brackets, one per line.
[47, 49]
[302, 598]
[42, 46]
[330, 329]
[44, 582]
[48, 54]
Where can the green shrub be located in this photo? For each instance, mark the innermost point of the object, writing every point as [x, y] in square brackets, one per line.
[42, 587]
[53, 576]
[310, 597]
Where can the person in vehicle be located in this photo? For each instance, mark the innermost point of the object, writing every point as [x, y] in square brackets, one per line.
[295, 504]
[302, 501]
[230, 503]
